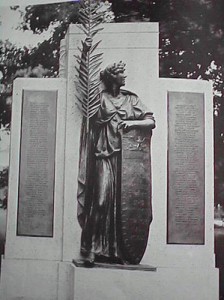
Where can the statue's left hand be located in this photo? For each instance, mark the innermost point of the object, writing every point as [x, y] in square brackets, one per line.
[126, 125]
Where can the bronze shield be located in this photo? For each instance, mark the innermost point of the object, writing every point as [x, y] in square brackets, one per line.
[136, 208]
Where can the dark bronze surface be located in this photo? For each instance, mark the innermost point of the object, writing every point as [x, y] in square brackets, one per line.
[186, 168]
[136, 210]
[114, 212]
[37, 162]
[140, 267]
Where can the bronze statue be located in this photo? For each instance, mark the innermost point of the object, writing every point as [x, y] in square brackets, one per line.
[98, 203]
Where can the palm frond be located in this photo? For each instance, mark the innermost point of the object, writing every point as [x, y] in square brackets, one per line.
[93, 48]
[82, 74]
[89, 64]
[95, 24]
[99, 55]
[94, 68]
[94, 32]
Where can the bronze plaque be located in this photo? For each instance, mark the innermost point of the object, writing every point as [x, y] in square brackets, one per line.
[37, 162]
[186, 168]
[136, 209]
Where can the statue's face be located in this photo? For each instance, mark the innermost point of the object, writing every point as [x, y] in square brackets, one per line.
[119, 78]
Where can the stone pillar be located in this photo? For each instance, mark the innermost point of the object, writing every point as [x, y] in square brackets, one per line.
[183, 253]
[184, 270]
[34, 235]
[136, 44]
[40, 268]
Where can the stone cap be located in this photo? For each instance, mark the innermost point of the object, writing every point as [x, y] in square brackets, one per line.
[143, 35]
[136, 27]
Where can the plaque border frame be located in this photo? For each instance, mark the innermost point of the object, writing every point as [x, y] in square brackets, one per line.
[204, 173]
[20, 152]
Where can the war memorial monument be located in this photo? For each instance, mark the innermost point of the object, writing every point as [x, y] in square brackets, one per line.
[112, 198]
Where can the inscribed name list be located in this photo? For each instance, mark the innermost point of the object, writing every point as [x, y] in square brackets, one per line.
[136, 209]
[186, 168]
[37, 162]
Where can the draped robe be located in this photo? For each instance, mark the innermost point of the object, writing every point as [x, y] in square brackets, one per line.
[99, 196]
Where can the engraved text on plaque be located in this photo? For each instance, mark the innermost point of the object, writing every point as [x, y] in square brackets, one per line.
[37, 161]
[186, 168]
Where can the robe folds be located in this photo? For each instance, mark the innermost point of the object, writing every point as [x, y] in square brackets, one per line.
[99, 181]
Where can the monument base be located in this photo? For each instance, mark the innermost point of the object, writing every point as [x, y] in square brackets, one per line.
[29, 280]
[164, 284]
[54, 280]
[140, 267]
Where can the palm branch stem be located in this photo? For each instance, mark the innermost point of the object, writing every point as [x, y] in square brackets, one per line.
[88, 85]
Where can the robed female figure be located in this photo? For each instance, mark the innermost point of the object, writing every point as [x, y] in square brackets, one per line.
[99, 196]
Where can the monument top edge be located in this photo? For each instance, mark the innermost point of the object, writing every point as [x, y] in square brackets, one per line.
[38, 83]
[40, 80]
[136, 27]
[185, 83]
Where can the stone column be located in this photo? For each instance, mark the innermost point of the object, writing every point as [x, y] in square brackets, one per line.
[136, 44]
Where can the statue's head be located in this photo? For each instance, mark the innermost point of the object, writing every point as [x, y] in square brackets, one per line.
[114, 74]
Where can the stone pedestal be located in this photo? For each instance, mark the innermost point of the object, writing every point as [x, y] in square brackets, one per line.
[163, 284]
[160, 252]
[39, 267]
[29, 279]
[185, 264]
[136, 44]
[34, 236]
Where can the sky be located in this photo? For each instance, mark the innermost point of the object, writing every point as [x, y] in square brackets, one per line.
[9, 21]
[27, 2]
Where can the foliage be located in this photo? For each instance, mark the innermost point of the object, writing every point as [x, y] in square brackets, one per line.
[11, 59]
[38, 18]
[191, 46]
[88, 72]
[3, 185]
[90, 17]
[4, 178]
[132, 10]
[5, 110]
[3, 202]
[16, 62]
[14, 66]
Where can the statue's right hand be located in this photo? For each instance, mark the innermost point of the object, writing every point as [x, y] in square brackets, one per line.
[87, 44]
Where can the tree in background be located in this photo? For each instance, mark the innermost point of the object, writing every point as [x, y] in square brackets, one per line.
[42, 60]
[3, 185]
[19, 62]
[191, 46]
